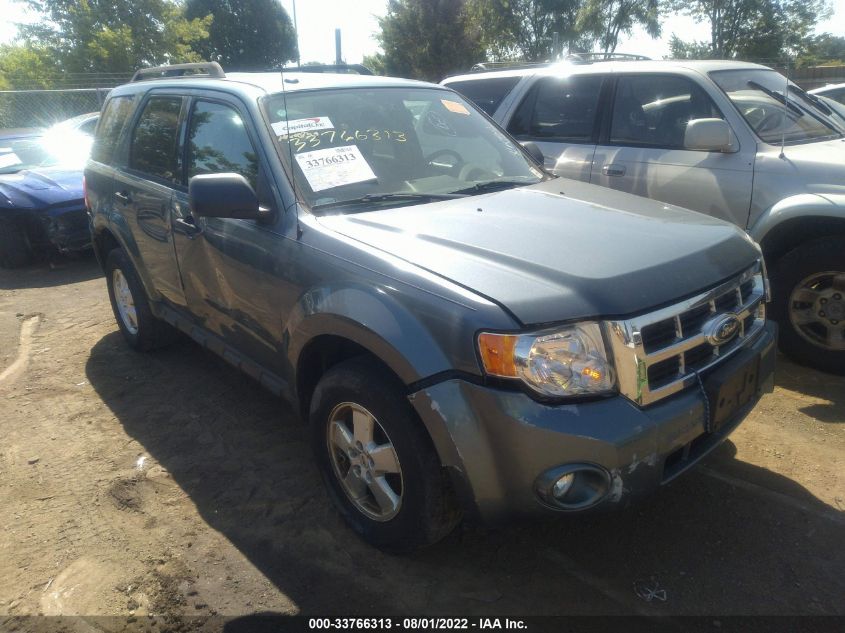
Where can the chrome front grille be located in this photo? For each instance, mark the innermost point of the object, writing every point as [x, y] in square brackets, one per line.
[658, 354]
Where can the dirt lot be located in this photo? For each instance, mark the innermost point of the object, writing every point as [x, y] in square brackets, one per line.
[170, 484]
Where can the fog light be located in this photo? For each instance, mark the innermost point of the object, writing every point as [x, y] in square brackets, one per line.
[573, 487]
[562, 486]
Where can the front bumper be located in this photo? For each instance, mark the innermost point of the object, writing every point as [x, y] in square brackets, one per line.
[496, 443]
[67, 228]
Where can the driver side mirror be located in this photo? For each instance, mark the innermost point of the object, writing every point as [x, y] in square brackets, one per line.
[223, 196]
[709, 135]
[534, 150]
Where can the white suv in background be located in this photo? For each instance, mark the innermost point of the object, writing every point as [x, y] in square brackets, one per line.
[718, 137]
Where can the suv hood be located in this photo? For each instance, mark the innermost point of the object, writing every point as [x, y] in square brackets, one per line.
[805, 168]
[549, 257]
[40, 188]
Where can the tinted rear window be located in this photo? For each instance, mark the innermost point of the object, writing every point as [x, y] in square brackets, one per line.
[487, 94]
[114, 117]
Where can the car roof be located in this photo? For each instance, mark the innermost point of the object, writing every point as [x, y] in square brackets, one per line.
[260, 83]
[569, 68]
[827, 88]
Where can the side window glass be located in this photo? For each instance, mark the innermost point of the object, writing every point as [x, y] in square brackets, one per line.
[559, 109]
[154, 141]
[654, 110]
[219, 143]
[113, 119]
[487, 94]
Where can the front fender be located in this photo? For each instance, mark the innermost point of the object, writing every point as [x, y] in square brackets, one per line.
[370, 317]
[805, 205]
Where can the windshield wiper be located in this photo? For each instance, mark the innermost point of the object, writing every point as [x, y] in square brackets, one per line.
[386, 197]
[776, 96]
[492, 185]
[812, 99]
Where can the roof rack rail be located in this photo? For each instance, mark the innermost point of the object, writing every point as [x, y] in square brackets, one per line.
[486, 67]
[586, 58]
[178, 71]
[572, 58]
[346, 69]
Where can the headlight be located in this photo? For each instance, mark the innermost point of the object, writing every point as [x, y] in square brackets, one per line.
[567, 361]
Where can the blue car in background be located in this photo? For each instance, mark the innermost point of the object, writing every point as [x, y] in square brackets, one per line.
[42, 209]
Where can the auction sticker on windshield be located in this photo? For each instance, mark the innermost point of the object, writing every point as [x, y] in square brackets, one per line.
[285, 128]
[334, 167]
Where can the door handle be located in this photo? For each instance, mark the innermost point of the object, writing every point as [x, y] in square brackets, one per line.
[188, 227]
[613, 170]
[124, 197]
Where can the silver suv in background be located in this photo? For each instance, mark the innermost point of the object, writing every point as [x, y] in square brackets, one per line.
[723, 138]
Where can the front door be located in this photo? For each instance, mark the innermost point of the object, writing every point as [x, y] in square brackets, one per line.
[559, 114]
[228, 266]
[644, 150]
[143, 193]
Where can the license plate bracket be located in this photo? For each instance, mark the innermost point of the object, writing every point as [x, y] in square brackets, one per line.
[731, 387]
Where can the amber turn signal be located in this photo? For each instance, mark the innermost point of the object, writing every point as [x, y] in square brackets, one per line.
[497, 353]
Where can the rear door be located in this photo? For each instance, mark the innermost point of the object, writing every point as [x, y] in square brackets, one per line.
[99, 171]
[561, 115]
[642, 150]
[143, 192]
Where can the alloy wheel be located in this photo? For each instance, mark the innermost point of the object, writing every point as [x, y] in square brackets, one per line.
[817, 309]
[365, 461]
[124, 301]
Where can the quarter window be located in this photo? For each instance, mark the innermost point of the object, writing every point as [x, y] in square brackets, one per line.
[154, 141]
[559, 109]
[114, 117]
[654, 110]
[219, 143]
[487, 94]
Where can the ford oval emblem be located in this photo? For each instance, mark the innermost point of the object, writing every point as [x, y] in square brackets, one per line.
[722, 329]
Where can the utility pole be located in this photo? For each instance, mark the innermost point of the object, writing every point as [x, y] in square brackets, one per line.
[338, 56]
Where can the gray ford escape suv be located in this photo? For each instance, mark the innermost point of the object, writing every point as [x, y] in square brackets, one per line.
[466, 335]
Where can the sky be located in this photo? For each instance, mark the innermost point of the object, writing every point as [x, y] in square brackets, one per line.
[317, 20]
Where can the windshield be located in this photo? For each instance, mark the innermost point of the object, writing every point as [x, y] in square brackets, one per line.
[392, 146]
[759, 97]
[67, 150]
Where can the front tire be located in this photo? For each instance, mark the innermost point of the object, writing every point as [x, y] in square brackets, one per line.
[141, 329]
[808, 287]
[15, 250]
[377, 461]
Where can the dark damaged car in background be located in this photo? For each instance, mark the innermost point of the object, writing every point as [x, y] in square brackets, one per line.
[42, 210]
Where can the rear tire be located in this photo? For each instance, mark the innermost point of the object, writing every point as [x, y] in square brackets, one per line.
[391, 489]
[808, 302]
[141, 329]
[15, 250]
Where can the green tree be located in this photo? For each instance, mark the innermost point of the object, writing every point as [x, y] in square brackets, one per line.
[375, 62]
[23, 66]
[524, 29]
[823, 49]
[427, 39]
[254, 35]
[754, 29]
[114, 36]
[608, 19]
[681, 49]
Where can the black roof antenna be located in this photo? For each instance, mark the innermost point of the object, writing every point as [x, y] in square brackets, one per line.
[290, 152]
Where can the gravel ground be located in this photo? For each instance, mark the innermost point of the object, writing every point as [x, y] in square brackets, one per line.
[169, 484]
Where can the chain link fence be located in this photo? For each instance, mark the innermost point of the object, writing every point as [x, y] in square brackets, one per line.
[40, 106]
[43, 108]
